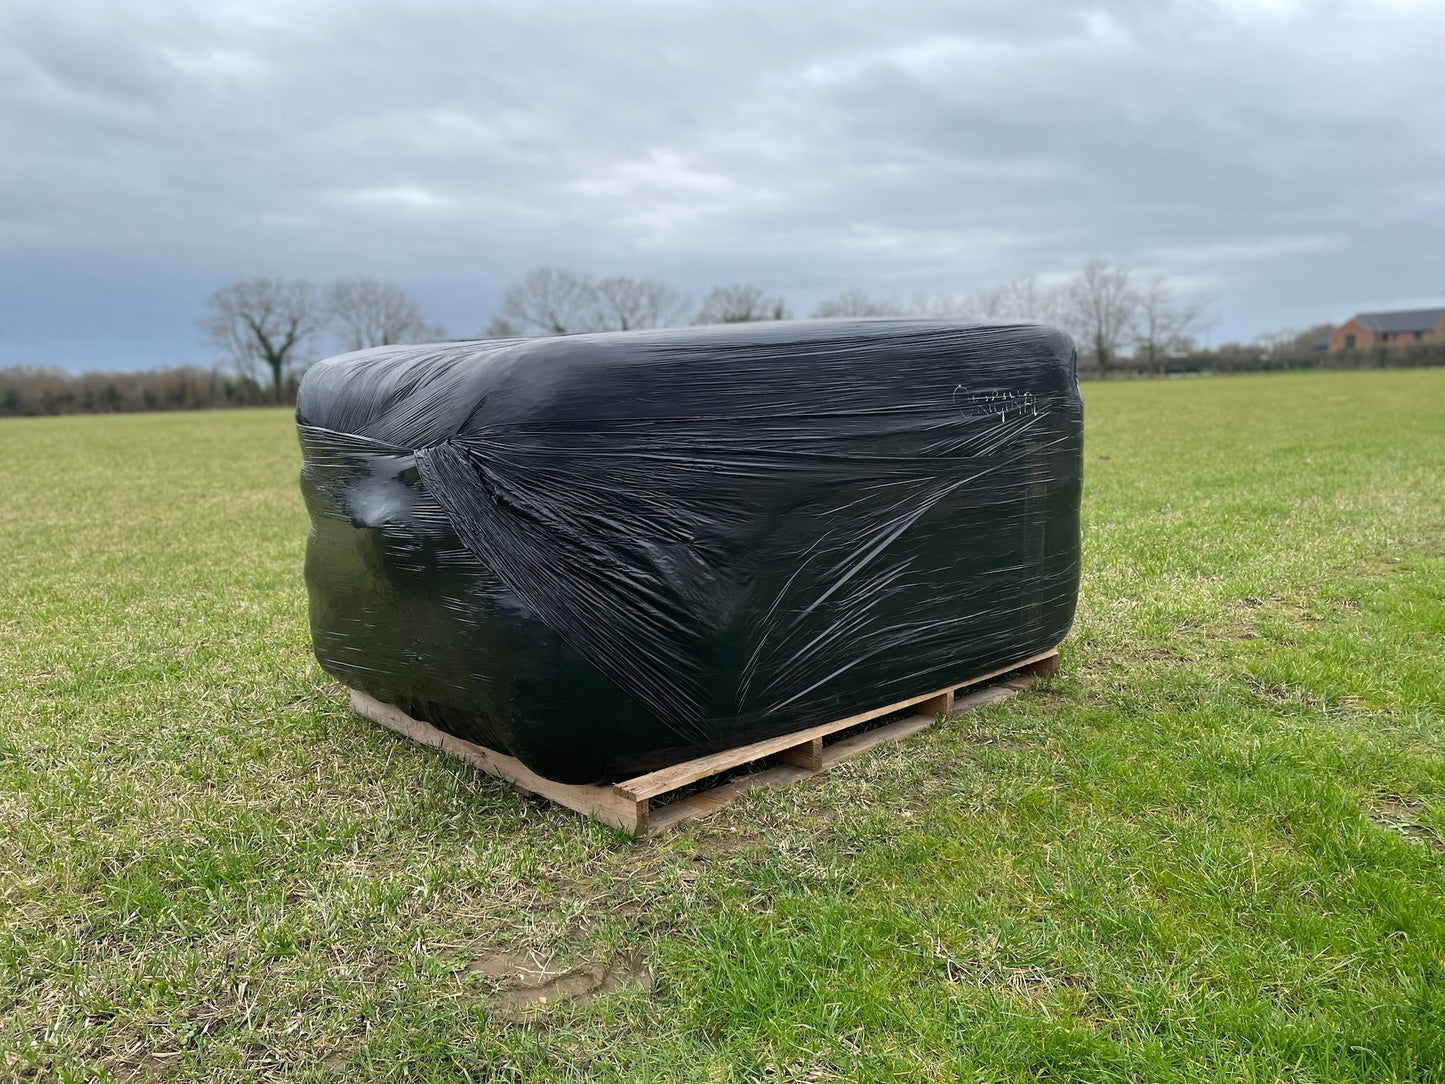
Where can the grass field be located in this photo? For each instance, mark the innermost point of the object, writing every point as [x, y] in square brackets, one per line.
[1209, 850]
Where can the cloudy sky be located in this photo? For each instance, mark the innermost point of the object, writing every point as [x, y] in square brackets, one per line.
[1284, 158]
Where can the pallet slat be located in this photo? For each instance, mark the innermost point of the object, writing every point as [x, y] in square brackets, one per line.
[848, 748]
[604, 803]
[628, 804]
[690, 771]
[710, 801]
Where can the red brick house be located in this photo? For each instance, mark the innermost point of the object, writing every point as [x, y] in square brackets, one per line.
[1389, 329]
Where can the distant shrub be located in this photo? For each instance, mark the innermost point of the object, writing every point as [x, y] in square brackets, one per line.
[1253, 358]
[27, 391]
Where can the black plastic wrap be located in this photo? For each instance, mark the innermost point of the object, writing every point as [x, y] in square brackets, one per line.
[603, 554]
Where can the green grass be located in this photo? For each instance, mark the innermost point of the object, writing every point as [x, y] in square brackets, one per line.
[1210, 850]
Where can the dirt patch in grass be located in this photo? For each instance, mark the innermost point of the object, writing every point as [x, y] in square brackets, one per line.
[1402, 815]
[529, 988]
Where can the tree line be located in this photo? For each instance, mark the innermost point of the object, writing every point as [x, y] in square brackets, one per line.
[265, 331]
[29, 391]
[1110, 311]
[267, 326]
[271, 327]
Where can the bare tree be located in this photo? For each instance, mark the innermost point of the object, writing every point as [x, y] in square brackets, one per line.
[1163, 327]
[264, 322]
[1102, 304]
[371, 313]
[1025, 298]
[556, 301]
[501, 328]
[552, 301]
[857, 303]
[742, 303]
[944, 305]
[626, 304]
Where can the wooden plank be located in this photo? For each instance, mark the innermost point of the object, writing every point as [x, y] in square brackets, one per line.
[847, 748]
[627, 805]
[807, 755]
[992, 695]
[710, 801]
[1043, 667]
[690, 771]
[941, 704]
[600, 802]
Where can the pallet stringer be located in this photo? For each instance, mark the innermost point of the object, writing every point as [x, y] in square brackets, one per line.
[799, 755]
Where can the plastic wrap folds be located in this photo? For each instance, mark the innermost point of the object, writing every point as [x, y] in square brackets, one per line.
[603, 554]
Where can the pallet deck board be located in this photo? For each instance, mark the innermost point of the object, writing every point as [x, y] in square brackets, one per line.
[600, 802]
[798, 755]
[690, 771]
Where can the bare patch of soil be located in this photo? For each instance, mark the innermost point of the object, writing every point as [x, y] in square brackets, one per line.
[530, 987]
[1400, 815]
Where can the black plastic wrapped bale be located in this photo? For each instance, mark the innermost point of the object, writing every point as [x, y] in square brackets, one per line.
[604, 554]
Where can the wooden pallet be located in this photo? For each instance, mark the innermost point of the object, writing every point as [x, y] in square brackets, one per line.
[803, 753]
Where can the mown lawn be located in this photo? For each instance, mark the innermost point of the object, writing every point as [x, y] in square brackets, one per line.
[1210, 850]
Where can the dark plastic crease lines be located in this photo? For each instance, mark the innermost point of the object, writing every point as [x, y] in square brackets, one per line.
[603, 554]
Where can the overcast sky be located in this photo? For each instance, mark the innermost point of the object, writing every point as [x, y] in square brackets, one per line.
[1286, 159]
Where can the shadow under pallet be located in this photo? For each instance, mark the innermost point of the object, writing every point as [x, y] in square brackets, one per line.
[640, 805]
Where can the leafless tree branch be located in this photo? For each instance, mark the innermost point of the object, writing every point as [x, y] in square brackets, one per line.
[371, 313]
[742, 303]
[264, 322]
[857, 303]
[1102, 304]
[1162, 326]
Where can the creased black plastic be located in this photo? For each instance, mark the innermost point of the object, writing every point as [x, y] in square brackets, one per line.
[606, 553]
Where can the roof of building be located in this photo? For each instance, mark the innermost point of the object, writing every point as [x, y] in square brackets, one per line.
[1411, 320]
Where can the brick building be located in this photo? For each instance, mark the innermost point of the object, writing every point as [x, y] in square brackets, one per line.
[1389, 329]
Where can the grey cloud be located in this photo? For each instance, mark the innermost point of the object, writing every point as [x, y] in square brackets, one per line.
[1284, 158]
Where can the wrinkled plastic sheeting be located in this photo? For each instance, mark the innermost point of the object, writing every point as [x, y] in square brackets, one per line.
[603, 554]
